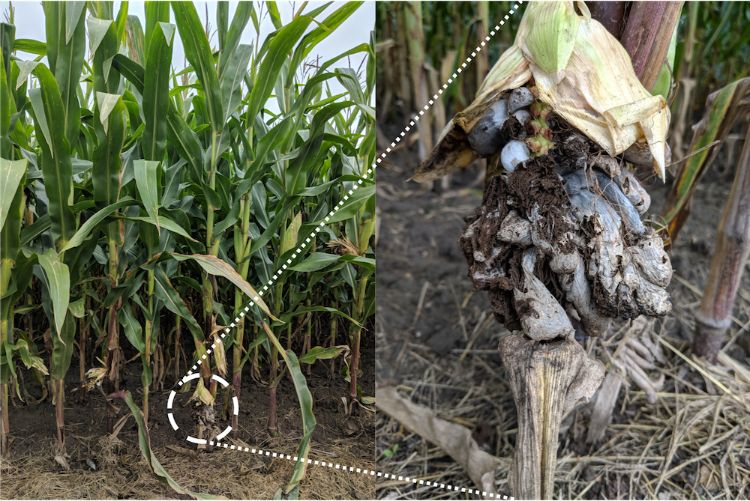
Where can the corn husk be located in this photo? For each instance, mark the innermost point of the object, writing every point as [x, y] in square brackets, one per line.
[582, 72]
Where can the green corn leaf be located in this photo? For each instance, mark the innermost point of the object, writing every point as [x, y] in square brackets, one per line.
[663, 83]
[58, 282]
[135, 39]
[723, 109]
[106, 104]
[77, 308]
[12, 173]
[322, 353]
[306, 409]
[181, 136]
[29, 233]
[7, 36]
[73, 13]
[156, 91]
[232, 77]
[322, 31]
[62, 348]
[273, 11]
[12, 213]
[91, 223]
[121, 22]
[7, 106]
[355, 202]
[104, 45]
[318, 309]
[156, 13]
[44, 134]
[186, 142]
[273, 140]
[198, 52]
[57, 167]
[168, 295]
[107, 166]
[222, 23]
[308, 158]
[132, 327]
[25, 68]
[66, 47]
[291, 235]
[166, 223]
[30, 360]
[31, 46]
[215, 266]
[231, 37]
[316, 261]
[146, 180]
[144, 442]
[97, 29]
[278, 50]
[131, 70]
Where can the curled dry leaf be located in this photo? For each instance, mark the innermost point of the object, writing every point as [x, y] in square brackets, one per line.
[452, 438]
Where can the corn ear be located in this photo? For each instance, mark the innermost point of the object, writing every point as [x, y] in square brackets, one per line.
[582, 72]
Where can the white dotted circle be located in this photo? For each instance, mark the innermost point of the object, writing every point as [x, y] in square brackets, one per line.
[170, 402]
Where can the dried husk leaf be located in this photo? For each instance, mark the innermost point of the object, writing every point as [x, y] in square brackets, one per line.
[220, 357]
[609, 104]
[455, 440]
[581, 71]
[202, 394]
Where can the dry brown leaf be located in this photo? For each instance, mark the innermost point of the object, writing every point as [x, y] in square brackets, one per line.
[452, 438]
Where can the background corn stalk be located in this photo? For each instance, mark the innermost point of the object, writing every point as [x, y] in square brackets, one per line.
[138, 201]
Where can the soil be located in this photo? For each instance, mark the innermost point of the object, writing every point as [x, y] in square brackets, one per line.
[437, 341]
[102, 466]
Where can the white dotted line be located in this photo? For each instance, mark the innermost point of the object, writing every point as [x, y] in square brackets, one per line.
[311, 237]
[361, 471]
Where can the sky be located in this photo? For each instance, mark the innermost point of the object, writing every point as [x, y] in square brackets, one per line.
[29, 20]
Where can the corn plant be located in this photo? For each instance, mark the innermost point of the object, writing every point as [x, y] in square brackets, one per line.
[140, 201]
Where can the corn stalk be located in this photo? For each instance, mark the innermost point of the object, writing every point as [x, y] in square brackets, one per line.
[714, 316]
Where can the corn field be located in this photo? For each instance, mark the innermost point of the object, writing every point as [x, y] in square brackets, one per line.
[145, 203]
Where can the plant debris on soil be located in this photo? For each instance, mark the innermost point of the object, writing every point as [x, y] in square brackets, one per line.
[437, 341]
[102, 466]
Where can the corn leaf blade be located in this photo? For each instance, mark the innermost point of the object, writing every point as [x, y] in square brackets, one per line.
[58, 281]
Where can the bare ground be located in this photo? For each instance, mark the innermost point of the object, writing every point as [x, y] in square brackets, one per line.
[102, 467]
